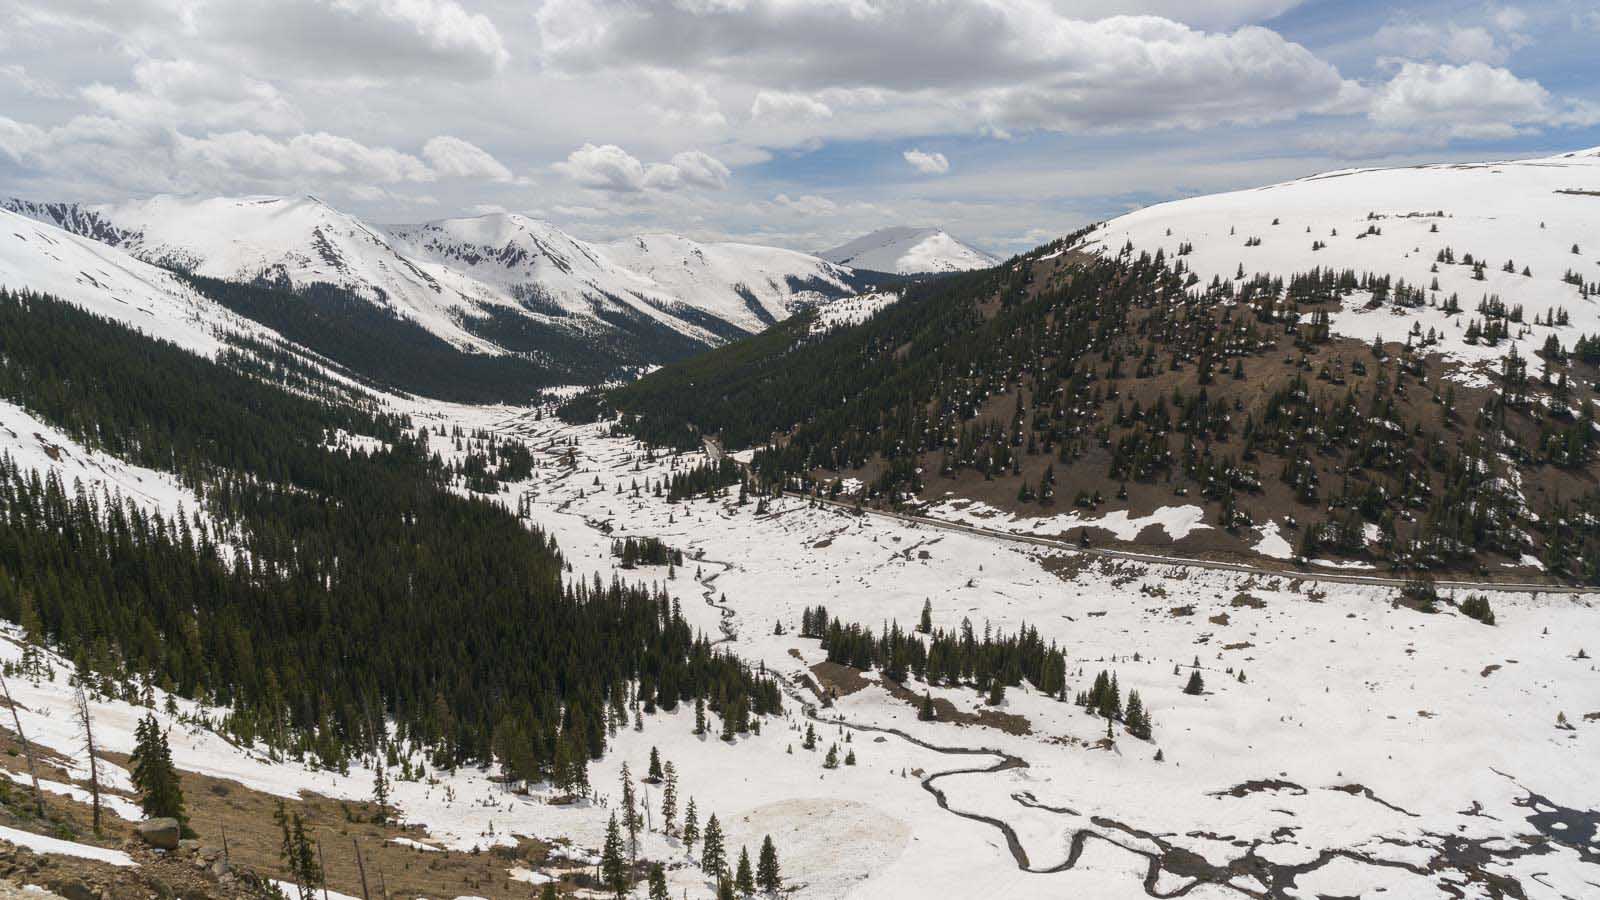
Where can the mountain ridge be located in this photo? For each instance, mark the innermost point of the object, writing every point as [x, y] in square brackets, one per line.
[907, 250]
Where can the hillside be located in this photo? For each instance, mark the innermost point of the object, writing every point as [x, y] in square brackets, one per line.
[1456, 243]
[1097, 395]
[909, 251]
[488, 286]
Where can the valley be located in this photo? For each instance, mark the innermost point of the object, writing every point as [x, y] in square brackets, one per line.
[940, 607]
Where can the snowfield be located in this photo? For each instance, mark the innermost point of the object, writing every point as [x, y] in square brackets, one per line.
[909, 251]
[1369, 745]
[438, 274]
[1395, 222]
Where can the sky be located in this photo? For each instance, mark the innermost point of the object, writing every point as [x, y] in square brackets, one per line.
[798, 123]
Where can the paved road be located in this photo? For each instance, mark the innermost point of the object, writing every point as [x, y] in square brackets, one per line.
[1307, 573]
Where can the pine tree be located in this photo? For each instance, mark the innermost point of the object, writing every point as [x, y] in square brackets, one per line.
[926, 625]
[1196, 685]
[699, 716]
[613, 868]
[926, 713]
[154, 775]
[831, 761]
[380, 793]
[654, 775]
[1137, 719]
[713, 856]
[691, 826]
[297, 853]
[669, 799]
[745, 880]
[767, 872]
[658, 883]
[810, 741]
[631, 821]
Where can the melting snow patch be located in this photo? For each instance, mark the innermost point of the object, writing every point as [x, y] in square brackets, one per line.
[1272, 543]
[41, 844]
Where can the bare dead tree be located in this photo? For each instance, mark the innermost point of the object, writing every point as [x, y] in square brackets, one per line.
[27, 748]
[86, 722]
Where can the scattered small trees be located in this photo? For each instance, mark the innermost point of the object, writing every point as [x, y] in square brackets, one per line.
[1476, 606]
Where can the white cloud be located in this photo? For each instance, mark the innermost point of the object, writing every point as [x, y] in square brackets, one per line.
[1475, 100]
[612, 169]
[1005, 64]
[404, 37]
[177, 92]
[927, 163]
[455, 158]
[789, 107]
[806, 204]
[677, 98]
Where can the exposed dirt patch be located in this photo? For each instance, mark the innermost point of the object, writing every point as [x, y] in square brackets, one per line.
[838, 680]
[1246, 600]
[1219, 619]
[1489, 670]
[1180, 611]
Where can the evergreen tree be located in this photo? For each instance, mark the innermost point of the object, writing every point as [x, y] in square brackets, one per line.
[691, 827]
[613, 868]
[831, 761]
[768, 875]
[713, 856]
[631, 820]
[745, 880]
[658, 883]
[669, 799]
[297, 853]
[1196, 685]
[654, 775]
[154, 775]
[926, 624]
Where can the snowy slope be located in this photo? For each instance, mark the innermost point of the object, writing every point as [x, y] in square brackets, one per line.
[1531, 212]
[748, 285]
[909, 251]
[547, 271]
[110, 283]
[299, 240]
[446, 274]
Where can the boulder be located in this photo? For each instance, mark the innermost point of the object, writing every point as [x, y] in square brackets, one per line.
[163, 834]
[72, 888]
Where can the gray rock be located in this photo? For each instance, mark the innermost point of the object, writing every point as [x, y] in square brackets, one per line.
[72, 889]
[163, 834]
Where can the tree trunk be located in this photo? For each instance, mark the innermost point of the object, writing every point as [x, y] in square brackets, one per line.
[86, 722]
[27, 748]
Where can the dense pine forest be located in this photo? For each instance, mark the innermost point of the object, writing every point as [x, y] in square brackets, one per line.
[318, 591]
[1060, 382]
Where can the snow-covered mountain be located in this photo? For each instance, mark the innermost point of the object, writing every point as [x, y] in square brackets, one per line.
[106, 281]
[746, 284]
[1525, 231]
[909, 251]
[470, 280]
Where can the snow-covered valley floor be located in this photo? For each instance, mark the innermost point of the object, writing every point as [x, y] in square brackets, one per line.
[1367, 748]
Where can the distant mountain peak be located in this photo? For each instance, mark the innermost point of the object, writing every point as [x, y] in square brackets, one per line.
[907, 250]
